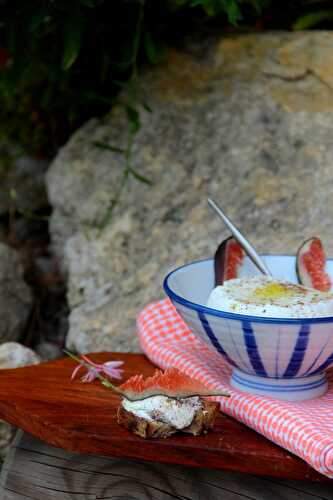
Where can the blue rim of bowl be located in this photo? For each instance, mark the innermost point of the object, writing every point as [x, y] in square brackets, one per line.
[228, 315]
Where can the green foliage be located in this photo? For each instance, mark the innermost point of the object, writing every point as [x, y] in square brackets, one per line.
[215, 7]
[72, 40]
[68, 59]
[312, 19]
[63, 61]
[231, 8]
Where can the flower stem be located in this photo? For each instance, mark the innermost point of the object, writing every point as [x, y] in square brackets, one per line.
[139, 397]
[103, 380]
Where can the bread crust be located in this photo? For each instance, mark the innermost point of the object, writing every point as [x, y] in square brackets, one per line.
[203, 421]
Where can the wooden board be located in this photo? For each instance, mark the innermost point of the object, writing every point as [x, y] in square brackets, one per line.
[43, 401]
[38, 471]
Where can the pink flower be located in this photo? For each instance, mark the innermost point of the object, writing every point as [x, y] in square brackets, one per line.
[110, 369]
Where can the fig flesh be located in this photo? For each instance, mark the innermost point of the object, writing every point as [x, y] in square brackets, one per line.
[311, 265]
[228, 259]
[172, 383]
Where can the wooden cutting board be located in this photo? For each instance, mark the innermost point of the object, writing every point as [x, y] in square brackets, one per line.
[44, 401]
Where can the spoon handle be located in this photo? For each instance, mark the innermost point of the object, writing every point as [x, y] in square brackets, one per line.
[248, 248]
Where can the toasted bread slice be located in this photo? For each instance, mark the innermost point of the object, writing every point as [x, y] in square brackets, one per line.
[203, 421]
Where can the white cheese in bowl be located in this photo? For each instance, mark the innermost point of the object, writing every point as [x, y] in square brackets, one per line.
[176, 412]
[267, 297]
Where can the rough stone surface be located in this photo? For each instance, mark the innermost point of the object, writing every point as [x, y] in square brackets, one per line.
[15, 295]
[13, 355]
[24, 179]
[247, 120]
[49, 351]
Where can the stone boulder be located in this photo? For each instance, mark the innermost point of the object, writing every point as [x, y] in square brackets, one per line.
[246, 120]
[15, 295]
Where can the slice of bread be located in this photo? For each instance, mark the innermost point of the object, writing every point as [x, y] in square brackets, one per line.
[203, 421]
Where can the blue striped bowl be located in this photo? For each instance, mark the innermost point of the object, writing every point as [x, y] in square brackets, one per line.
[281, 358]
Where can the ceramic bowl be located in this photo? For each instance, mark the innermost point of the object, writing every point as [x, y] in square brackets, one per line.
[281, 358]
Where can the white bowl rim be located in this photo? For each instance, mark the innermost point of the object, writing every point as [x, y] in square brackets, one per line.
[229, 315]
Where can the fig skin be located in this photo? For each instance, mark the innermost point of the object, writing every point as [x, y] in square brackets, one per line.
[319, 280]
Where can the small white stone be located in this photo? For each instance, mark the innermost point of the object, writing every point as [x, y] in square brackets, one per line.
[15, 355]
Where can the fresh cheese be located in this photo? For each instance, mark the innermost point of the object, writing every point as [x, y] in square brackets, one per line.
[176, 412]
[268, 297]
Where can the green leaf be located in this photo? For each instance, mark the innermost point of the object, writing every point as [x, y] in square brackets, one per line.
[233, 12]
[134, 119]
[92, 96]
[72, 39]
[312, 19]
[140, 177]
[103, 145]
[174, 5]
[147, 106]
[215, 7]
[150, 48]
[259, 5]
[119, 83]
[37, 19]
[13, 194]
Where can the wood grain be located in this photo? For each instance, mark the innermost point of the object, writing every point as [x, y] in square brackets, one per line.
[36, 470]
[43, 401]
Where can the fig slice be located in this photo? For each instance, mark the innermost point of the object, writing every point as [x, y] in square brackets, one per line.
[172, 383]
[311, 265]
[228, 259]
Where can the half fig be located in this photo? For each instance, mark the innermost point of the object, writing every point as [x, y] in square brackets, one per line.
[171, 383]
[228, 259]
[311, 265]
[165, 403]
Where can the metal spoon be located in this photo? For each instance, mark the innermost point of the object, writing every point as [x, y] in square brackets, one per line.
[248, 248]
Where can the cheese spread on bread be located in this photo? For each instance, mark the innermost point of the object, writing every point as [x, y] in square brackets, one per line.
[176, 412]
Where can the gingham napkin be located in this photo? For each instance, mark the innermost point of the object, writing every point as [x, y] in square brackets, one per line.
[304, 428]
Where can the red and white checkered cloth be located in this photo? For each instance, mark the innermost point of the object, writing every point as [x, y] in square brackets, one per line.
[304, 428]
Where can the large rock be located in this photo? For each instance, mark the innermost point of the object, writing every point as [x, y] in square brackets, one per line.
[15, 295]
[247, 120]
